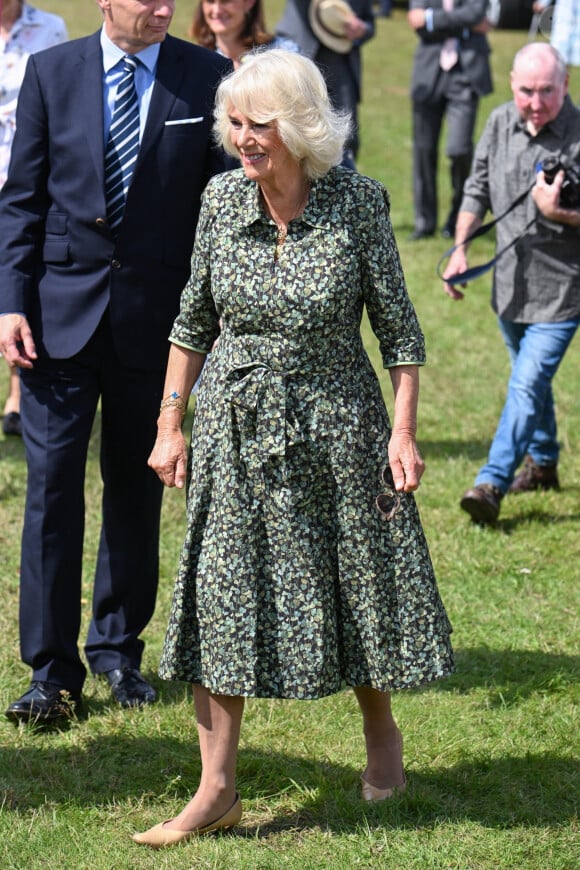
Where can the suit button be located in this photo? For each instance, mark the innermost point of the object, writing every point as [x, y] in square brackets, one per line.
[101, 222]
[115, 264]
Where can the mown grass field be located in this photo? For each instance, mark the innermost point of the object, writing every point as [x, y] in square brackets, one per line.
[491, 754]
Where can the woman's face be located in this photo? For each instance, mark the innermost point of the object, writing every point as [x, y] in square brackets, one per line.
[226, 17]
[263, 155]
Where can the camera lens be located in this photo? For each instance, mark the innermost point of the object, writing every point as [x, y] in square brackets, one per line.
[550, 167]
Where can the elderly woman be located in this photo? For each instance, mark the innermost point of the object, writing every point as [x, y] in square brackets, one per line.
[304, 568]
[23, 31]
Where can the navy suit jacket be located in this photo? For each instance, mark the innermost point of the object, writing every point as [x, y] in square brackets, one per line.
[473, 47]
[59, 263]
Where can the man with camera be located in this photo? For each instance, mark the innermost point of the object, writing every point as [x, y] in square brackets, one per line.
[536, 283]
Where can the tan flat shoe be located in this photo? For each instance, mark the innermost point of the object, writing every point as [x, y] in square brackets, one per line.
[372, 793]
[159, 836]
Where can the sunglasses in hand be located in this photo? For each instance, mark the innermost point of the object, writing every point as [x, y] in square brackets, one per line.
[388, 502]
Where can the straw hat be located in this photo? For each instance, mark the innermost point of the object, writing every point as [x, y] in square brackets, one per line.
[327, 19]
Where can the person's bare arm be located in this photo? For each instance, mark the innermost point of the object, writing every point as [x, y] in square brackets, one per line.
[406, 463]
[169, 455]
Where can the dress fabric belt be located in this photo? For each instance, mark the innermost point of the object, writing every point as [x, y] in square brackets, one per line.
[261, 376]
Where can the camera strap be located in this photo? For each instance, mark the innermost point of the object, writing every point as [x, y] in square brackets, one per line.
[476, 271]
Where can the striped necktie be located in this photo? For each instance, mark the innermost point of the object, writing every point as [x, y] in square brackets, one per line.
[123, 145]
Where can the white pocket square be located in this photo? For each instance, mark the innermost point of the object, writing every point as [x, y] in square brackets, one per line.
[184, 121]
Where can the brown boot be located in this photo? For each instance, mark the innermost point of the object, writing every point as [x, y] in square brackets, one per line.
[533, 477]
[482, 503]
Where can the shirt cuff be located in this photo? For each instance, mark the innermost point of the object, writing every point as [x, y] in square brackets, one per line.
[407, 362]
[186, 346]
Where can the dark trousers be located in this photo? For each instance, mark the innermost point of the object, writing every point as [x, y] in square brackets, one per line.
[343, 92]
[454, 99]
[59, 403]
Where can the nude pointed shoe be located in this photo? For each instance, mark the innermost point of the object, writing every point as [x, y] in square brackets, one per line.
[372, 793]
[159, 836]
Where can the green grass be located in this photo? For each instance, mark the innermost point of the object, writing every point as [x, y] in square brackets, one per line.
[491, 754]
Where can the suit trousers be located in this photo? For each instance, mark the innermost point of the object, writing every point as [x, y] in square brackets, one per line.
[60, 399]
[454, 99]
[342, 90]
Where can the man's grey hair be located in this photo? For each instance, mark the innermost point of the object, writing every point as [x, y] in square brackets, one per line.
[541, 49]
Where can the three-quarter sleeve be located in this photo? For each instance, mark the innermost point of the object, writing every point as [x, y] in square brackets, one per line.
[391, 313]
[197, 324]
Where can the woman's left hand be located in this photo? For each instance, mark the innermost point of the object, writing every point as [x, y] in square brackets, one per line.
[405, 460]
[169, 457]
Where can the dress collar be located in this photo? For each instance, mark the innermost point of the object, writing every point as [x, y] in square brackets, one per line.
[315, 213]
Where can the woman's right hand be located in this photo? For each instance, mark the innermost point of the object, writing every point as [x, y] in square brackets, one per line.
[169, 455]
[16, 342]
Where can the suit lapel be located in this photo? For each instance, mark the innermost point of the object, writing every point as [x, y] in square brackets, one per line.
[170, 71]
[91, 110]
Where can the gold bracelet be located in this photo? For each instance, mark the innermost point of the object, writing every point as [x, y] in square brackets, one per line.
[173, 401]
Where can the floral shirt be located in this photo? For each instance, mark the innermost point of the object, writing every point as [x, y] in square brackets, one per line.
[338, 256]
[32, 32]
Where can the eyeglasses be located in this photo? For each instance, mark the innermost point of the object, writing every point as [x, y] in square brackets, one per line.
[388, 502]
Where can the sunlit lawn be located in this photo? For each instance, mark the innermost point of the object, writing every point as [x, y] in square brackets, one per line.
[491, 754]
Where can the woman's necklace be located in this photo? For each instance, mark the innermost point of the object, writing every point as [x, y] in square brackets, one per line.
[282, 226]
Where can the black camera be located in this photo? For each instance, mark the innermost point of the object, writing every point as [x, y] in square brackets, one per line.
[570, 192]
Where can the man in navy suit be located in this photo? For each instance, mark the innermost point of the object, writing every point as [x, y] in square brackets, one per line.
[450, 88]
[86, 312]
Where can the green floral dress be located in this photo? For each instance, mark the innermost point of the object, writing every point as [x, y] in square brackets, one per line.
[290, 583]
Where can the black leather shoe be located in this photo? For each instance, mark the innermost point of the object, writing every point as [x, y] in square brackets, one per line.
[130, 688]
[43, 703]
[420, 234]
[11, 424]
[482, 503]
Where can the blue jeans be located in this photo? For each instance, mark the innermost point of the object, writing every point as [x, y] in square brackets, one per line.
[528, 421]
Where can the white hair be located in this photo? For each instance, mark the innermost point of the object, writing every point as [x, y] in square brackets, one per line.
[289, 89]
[541, 50]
